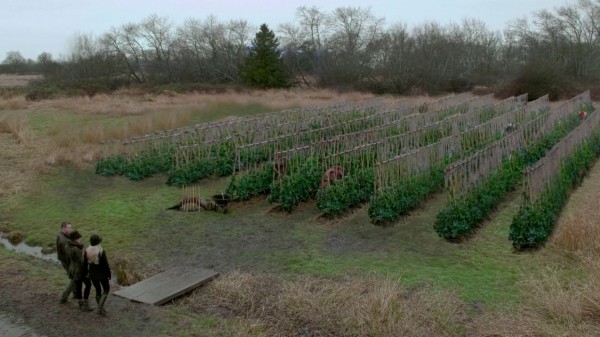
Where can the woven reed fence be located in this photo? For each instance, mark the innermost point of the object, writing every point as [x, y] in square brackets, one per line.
[389, 149]
[463, 175]
[374, 137]
[212, 131]
[546, 170]
[388, 172]
[253, 122]
[453, 125]
[207, 132]
[343, 136]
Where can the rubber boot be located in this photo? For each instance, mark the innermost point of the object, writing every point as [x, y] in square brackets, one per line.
[84, 305]
[98, 299]
[101, 301]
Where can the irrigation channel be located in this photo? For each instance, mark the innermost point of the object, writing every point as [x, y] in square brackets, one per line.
[22, 247]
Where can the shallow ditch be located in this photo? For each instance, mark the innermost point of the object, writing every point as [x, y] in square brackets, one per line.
[26, 249]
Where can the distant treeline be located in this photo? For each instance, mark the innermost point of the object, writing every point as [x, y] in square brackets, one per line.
[348, 48]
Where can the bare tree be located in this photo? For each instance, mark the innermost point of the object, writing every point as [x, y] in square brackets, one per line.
[393, 63]
[315, 31]
[91, 63]
[213, 49]
[574, 35]
[14, 62]
[296, 53]
[157, 36]
[475, 52]
[351, 44]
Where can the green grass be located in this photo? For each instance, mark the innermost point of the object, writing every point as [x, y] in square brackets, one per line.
[33, 268]
[131, 217]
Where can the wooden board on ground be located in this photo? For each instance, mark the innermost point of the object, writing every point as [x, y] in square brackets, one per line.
[163, 287]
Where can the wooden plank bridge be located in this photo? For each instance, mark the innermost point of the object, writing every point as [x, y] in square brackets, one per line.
[163, 287]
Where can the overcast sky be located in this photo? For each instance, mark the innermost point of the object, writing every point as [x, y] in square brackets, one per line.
[35, 26]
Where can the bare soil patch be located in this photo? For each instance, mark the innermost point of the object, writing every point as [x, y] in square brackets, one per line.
[35, 302]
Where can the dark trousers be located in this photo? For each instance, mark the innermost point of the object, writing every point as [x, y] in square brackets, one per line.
[99, 285]
[79, 284]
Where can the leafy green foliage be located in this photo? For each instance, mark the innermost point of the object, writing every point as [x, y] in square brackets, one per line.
[218, 161]
[251, 185]
[190, 172]
[534, 222]
[148, 162]
[389, 205]
[348, 192]
[297, 187]
[463, 216]
[112, 165]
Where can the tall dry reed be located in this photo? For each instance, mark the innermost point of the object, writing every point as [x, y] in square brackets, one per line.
[556, 303]
[331, 307]
[13, 103]
[16, 124]
[578, 229]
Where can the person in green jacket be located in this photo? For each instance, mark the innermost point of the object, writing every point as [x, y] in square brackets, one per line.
[62, 246]
[77, 272]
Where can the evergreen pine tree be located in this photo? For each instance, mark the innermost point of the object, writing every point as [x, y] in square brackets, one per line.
[263, 67]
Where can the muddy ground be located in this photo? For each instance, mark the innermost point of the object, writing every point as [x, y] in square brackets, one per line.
[35, 303]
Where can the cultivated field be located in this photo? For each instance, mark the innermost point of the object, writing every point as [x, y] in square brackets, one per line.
[305, 272]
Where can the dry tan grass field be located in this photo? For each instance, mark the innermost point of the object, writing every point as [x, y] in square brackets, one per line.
[36, 137]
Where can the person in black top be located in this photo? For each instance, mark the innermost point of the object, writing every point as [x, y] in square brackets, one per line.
[98, 270]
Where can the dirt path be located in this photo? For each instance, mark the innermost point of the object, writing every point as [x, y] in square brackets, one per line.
[29, 305]
[13, 327]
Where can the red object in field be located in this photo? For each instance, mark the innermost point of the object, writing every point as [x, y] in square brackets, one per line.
[332, 174]
[582, 114]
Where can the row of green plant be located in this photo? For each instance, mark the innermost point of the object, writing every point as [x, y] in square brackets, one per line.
[200, 168]
[390, 204]
[534, 222]
[465, 213]
[353, 189]
[252, 184]
[297, 187]
[146, 163]
[217, 160]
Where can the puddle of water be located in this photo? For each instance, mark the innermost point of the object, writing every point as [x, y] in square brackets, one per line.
[29, 250]
[11, 326]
